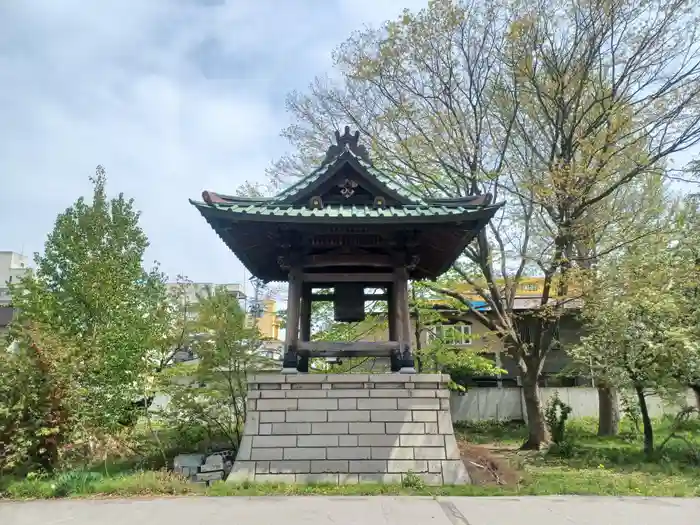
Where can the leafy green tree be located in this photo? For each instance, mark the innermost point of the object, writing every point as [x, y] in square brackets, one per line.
[642, 335]
[38, 397]
[565, 110]
[689, 244]
[90, 290]
[438, 353]
[211, 392]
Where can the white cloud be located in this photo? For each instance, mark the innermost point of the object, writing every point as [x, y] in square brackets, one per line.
[171, 96]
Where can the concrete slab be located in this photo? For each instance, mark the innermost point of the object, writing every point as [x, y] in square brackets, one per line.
[220, 511]
[576, 510]
[318, 510]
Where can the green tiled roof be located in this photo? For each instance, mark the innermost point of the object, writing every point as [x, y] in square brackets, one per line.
[292, 202]
[273, 210]
[381, 177]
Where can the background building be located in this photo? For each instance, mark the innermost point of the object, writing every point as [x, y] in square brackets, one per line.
[13, 266]
[261, 310]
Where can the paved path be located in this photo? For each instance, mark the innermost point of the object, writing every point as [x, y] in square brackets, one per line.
[316, 510]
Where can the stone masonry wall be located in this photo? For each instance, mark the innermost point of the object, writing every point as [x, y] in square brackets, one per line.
[348, 428]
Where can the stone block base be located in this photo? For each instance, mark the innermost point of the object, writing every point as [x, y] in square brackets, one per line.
[348, 428]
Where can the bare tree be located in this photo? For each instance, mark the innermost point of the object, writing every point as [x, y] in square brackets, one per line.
[567, 110]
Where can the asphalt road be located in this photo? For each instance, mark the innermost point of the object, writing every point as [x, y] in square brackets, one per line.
[318, 510]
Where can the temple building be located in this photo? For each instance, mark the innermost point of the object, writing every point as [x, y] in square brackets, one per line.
[343, 230]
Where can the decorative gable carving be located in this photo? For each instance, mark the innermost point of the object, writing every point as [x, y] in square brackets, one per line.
[346, 142]
[350, 188]
[347, 188]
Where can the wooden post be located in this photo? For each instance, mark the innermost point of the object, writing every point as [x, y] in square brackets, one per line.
[401, 282]
[395, 324]
[305, 321]
[305, 314]
[292, 336]
[391, 312]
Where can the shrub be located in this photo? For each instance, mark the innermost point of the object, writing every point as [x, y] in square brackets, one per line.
[556, 414]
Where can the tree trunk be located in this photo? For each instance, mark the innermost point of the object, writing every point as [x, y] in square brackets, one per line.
[608, 411]
[646, 422]
[696, 389]
[538, 433]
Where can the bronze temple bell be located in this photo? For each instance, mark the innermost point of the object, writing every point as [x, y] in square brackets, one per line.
[349, 302]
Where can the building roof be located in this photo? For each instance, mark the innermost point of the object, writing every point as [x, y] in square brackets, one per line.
[269, 210]
[346, 191]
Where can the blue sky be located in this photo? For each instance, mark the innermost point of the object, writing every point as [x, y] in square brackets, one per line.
[171, 96]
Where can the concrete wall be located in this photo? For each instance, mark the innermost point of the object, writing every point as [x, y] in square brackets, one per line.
[506, 404]
[482, 404]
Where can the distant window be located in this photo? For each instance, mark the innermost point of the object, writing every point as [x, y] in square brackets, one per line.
[530, 287]
[451, 334]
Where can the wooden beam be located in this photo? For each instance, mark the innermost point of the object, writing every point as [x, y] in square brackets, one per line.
[334, 260]
[352, 349]
[368, 297]
[347, 277]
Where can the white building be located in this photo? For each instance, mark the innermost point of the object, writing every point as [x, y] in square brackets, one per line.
[13, 266]
[194, 290]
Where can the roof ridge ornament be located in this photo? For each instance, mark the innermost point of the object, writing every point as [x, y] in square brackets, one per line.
[346, 142]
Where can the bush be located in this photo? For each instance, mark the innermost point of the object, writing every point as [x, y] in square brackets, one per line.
[412, 481]
[556, 414]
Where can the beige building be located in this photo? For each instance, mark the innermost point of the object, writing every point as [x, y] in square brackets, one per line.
[269, 322]
[465, 331]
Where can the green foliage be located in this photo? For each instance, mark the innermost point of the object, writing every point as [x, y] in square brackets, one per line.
[537, 105]
[642, 330]
[39, 395]
[630, 407]
[556, 414]
[90, 288]
[592, 465]
[89, 318]
[210, 394]
[441, 353]
[412, 481]
[83, 483]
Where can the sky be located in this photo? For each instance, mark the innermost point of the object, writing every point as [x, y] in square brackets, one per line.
[172, 97]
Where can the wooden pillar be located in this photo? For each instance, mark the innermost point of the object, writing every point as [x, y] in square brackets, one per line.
[305, 313]
[391, 312]
[395, 323]
[401, 283]
[406, 315]
[292, 336]
[305, 322]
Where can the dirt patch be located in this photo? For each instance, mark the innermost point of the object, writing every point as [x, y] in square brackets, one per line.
[488, 467]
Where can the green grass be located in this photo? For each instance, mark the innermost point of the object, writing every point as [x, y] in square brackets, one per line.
[586, 464]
